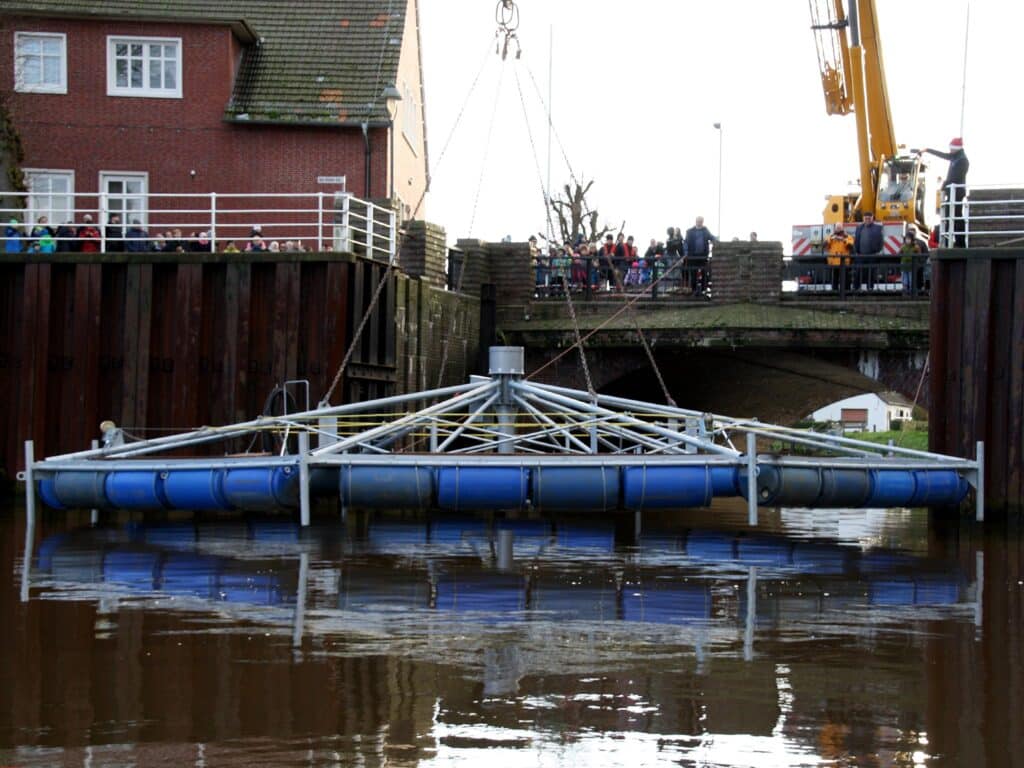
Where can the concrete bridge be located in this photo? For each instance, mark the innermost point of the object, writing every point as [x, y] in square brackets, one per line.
[744, 347]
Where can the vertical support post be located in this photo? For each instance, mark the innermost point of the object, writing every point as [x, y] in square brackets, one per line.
[751, 479]
[320, 222]
[94, 514]
[30, 516]
[506, 550]
[979, 591]
[213, 219]
[433, 435]
[101, 220]
[371, 225]
[300, 601]
[346, 223]
[392, 238]
[304, 478]
[979, 486]
[748, 632]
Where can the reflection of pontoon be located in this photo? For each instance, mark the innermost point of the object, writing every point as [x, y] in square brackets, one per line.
[454, 567]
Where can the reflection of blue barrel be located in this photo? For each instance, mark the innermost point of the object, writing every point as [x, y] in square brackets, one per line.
[136, 570]
[384, 534]
[195, 489]
[482, 488]
[666, 487]
[255, 588]
[490, 593]
[274, 531]
[194, 575]
[171, 535]
[456, 530]
[386, 487]
[667, 602]
[711, 546]
[767, 552]
[575, 488]
[595, 537]
[819, 559]
[262, 487]
[136, 489]
[568, 602]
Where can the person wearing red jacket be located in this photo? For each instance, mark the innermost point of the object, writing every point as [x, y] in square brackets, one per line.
[88, 236]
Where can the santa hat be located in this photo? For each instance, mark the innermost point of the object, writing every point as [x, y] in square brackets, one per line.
[955, 145]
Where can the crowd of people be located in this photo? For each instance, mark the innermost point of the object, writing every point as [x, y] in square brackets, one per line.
[679, 263]
[867, 242]
[43, 237]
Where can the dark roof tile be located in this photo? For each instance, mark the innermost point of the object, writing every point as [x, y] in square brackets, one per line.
[320, 61]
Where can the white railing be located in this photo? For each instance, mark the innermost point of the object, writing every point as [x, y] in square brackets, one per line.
[205, 222]
[988, 215]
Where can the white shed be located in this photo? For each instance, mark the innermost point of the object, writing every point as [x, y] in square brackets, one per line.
[873, 412]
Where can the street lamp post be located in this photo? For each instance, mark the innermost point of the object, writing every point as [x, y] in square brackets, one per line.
[718, 127]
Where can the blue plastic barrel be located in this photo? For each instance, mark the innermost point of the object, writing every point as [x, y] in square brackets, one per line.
[891, 488]
[48, 493]
[938, 488]
[576, 488]
[666, 487]
[844, 487]
[195, 489]
[724, 481]
[482, 488]
[261, 487]
[386, 487]
[136, 489]
[80, 489]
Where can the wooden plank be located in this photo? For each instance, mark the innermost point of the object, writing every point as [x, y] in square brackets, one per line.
[12, 280]
[130, 345]
[312, 318]
[35, 356]
[292, 318]
[279, 320]
[242, 410]
[373, 328]
[110, 378]
[1015, 426]
[938, 341]
[977, 387]
[186, 379]
[996, 444]
[232, 311]
[144, 345]
[953, 402]
[83, 424]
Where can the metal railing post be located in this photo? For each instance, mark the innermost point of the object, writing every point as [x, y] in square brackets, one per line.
[371, 223]
[979, 487]
[392, 237]
[344, 245]
[320, 222]
[304, 478]
[751, 479]
[30, 517]
[213, 220]
[101, 216]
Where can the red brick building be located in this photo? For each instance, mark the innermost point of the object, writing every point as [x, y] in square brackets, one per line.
[131, 98]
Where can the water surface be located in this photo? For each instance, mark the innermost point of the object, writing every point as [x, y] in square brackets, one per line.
[824, 638]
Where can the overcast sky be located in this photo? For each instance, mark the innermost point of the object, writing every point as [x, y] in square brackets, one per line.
[637, 88]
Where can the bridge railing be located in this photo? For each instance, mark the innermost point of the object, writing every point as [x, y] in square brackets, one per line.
[209, 221]
[877, 276]
[592, 276]
[982, 216]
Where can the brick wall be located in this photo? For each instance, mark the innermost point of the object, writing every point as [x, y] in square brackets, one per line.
[744, 271]
[88, 131]
[424, 252]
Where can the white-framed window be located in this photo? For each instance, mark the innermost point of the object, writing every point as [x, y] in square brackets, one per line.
[144, 66]
[410, 118]
[51, 194]
[125, 194]
[40, 62]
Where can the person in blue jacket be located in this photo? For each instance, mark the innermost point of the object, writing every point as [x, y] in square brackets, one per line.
[13, 237]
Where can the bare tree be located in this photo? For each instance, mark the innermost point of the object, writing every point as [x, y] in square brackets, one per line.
[574, 216]
[12, 179]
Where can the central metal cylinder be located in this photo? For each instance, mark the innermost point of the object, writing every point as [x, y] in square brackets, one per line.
[507, 361]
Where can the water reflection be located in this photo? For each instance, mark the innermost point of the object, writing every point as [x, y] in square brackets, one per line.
[393, 639]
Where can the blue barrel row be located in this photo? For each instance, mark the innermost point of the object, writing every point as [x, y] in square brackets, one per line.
[476, 487]
[824, 487]
[196, 489]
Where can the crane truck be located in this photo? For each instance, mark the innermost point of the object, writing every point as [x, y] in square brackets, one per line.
[892, 181]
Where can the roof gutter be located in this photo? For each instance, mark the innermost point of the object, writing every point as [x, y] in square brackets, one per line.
[240, 27]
